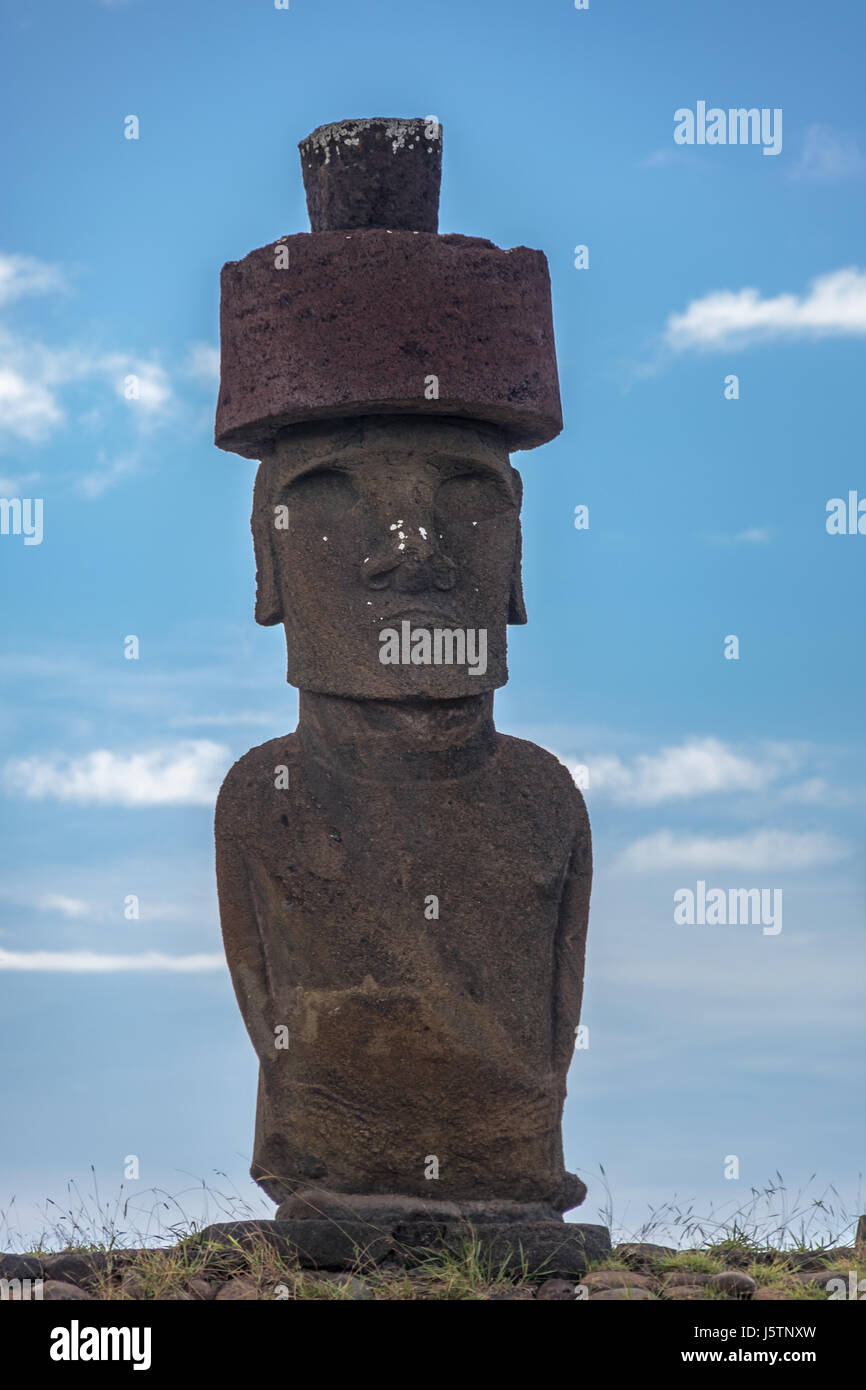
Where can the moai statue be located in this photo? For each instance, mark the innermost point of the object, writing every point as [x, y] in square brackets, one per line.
[403, 891]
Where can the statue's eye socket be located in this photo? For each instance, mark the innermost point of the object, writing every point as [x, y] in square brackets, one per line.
[471, 497]
[328, 491]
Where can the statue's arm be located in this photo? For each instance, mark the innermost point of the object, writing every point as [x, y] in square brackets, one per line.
[571, 941]
[244, 948]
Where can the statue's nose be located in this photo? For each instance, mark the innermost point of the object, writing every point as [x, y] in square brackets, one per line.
[409, 560]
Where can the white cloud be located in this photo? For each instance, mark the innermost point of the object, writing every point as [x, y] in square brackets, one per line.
[152, 389]
[17, 487]
[22, 275]
[833, 306]
[750, 535]
[669, 154]
[28, 409]
[34, 375]
[762, 990]
[699, 767]
[99, 480]
[187, 773]
[90, 419]
[93, 962]
[817, 791]
[829, 154]
[758, 851]
[58, 902]
[204, 363]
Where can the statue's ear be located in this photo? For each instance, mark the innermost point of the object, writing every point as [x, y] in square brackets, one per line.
[269, 609]
[516, 605]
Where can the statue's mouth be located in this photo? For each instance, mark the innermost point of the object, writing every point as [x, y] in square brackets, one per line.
[421, 617]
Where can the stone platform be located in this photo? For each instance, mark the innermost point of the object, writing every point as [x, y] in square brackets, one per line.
[552, 1248]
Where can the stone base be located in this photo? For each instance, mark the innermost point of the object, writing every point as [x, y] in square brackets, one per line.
[550, 1248]
[316, 1203]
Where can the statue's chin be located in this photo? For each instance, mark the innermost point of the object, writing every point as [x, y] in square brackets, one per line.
[398, 682]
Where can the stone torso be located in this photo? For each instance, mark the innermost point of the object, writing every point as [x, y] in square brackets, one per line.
[403, 928]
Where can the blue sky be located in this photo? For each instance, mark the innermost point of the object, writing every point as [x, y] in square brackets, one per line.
[707, 519]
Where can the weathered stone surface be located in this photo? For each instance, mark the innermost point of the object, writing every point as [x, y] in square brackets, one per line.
[403, 891]
[355, 1288]
[380, 172]
[72, 1267]
[382, 529]
[816, 1259]
[622, 1295]
[358, 322]
[412, 1213]
[820, 1277]
[822, 1258]
[244, 1290]
[555, 1249]
[57, 1291]
[734, 1258]
[427, 796]
[556, 1291]
[616, 1279]
[202, 1289]
[20, 1267]
[733, 1283]
[132, 1285]
[424, 1030]
[413, 1239]
[118, 1260]
[637, 1253]
[315, 1244]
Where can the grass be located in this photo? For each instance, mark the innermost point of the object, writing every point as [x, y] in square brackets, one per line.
[772, 1217]
[147, 1217]
[158, 1251]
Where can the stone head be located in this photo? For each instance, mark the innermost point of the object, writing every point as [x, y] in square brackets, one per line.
[364, 525]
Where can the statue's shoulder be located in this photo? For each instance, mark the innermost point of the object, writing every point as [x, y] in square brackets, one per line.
[543, 775]
[520, 753]
[251, 782]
